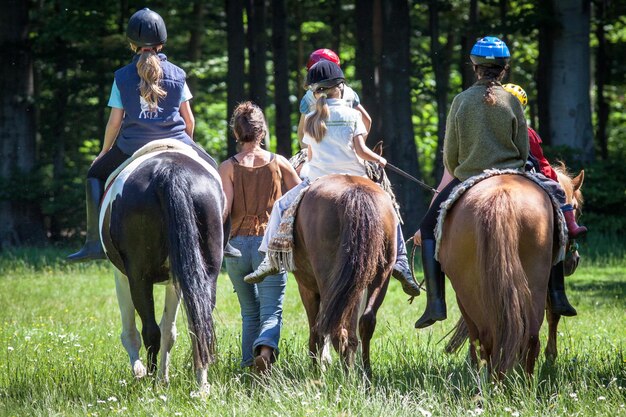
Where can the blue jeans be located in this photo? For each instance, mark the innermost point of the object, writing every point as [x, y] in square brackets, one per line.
[261, 304]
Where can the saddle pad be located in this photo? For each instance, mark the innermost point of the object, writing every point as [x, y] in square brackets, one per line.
[115, 182]
[458, 191]
[280, 248]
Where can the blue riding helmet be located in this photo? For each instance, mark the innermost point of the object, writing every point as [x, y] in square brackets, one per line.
[490, 51]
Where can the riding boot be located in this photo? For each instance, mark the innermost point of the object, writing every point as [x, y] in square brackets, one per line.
[264, 270]
[229, 250]
[573, 229]
[92, 249]
[559, 304]
[401, 270]
[435, 287]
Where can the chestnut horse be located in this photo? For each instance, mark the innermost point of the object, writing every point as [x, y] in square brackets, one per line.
[345, 249]
[572, 187]
[497, 248]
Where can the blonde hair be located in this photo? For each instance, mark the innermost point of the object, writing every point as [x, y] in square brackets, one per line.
[248, 122]
[151, 74]
[315, 123]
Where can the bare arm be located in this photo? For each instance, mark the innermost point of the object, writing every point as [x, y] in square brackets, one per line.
[290, 176]
[366, 153]
[226, 174]
[113, 128]
[367, 120]
[187, 114]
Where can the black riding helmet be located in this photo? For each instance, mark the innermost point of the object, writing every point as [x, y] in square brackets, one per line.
[146, 28]
[324, 74]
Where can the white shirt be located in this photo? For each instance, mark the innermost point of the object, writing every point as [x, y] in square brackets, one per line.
[350, 97]
[335, 153]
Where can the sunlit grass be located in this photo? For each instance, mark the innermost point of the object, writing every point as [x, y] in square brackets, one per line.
[60, 354]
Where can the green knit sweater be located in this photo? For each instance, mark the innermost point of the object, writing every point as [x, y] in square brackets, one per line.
[480, 136]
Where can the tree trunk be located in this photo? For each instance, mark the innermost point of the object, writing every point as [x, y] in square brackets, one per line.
[368, 53]
[196, 36]
[22, 221]
[335, 16]
[396, 107]
[441, 66]
[235, 76]
[467, 41]
[543, 75]
[568, 99]
[601, 74]
[257, 49]
[281, 78]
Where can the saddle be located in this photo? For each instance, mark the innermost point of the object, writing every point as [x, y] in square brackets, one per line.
[460, 189]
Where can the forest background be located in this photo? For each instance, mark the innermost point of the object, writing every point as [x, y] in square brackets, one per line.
[406, 60]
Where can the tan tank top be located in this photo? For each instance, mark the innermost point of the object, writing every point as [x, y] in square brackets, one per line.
[255, 191]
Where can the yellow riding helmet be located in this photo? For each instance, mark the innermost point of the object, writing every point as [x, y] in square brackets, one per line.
[518, 92]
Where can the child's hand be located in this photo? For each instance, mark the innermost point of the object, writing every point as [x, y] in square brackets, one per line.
[417, 238]
[382, 161]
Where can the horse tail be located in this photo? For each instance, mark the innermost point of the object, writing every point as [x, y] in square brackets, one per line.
[189, 270]
[504, 287]
[361, 255]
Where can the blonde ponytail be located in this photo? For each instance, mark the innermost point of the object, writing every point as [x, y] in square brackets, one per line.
[315, 124]
[150, 72]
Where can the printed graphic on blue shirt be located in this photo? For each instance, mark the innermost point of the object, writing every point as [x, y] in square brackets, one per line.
[148, 112]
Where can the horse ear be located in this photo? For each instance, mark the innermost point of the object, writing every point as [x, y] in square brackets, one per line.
[378, 148]
[577, 182]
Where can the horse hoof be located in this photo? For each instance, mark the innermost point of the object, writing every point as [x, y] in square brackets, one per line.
[139, 371]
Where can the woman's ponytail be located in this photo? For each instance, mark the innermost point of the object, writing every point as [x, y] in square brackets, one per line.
[150, 73]
[315, 124]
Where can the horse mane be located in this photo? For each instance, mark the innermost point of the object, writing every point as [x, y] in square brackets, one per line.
[506, 291]
[566, 180]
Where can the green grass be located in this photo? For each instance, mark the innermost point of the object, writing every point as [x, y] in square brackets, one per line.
[60, 355]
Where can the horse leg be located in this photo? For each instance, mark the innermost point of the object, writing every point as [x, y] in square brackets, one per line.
[200, 369]
[311, 302]
[131, 340]
[168, 330]
[367, 322]
[472, 332]
[553, 324]
[143, 299]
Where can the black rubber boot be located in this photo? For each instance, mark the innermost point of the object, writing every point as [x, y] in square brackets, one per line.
[556, 291]
[435, 287]
[92, 249]
[229, 250]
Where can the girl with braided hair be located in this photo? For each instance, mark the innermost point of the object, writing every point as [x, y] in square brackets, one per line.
[485, 129]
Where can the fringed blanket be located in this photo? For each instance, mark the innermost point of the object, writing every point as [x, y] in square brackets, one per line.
[458, 191]
[280, 248]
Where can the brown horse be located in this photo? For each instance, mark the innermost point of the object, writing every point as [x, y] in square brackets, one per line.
[574, 196]
[497, 248]
[572, 187]
[345, 249]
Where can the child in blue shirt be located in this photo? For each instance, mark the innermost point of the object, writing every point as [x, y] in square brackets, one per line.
[149, 101]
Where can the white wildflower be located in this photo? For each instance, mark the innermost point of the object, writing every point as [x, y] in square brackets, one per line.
[112, 399]
[10, 349]
[424, 412]
[601, 398]
[163, 397]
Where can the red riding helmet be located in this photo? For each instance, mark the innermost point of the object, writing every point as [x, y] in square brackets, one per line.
[322, 54]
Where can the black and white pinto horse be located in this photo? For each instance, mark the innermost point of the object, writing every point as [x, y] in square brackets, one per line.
[161, 222]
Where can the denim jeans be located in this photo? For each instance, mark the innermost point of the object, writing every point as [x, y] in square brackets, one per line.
[261, 304]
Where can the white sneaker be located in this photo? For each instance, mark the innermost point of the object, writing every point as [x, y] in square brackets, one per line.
[264, 270]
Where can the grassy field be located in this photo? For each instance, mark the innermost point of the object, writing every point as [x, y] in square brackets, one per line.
[60, 355]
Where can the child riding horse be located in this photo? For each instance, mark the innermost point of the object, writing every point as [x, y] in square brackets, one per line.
[334, 136]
